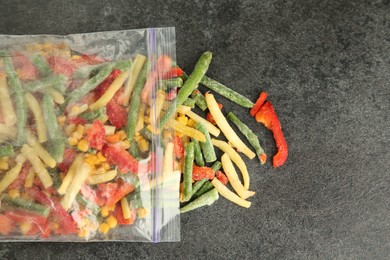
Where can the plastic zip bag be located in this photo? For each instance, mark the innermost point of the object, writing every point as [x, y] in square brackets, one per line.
[81, 154]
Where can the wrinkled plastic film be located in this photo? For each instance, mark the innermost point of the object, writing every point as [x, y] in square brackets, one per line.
[82, 210]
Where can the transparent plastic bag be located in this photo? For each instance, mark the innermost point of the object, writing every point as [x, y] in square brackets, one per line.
[82, 157]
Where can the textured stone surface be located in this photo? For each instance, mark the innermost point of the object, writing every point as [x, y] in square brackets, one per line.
[326, 67]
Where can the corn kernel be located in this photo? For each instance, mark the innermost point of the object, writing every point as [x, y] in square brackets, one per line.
[14, 193]
[106, 166]
[111, 221]
[111, 208]
[90, 162]
[137, 133]
[83, 233]
[143, 145]
[191, 122]
[179, 134]
[182, 119]
[72, 141]
[69, 129]
[80, 130]
[101, 157]
[138, 138]
[4, 165]
[61, 119]
[55, 226]
[125, 144]
[25, 227]
[142, 212]
[83, 145]
[104, 211]
[104, 228]
[74, 110]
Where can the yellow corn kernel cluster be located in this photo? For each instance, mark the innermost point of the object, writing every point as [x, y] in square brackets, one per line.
[69, 129]
[61, 120]
[4, 165]
[111, 221]
[14, 193]
[83, 145]
[143, 145]
[25, 227]
[142, 212]
[76, 135]
[104, 228]
[104, 211]
[191, 123]
[122, 135]
[125, 144]
[101, 157]
[182, 119]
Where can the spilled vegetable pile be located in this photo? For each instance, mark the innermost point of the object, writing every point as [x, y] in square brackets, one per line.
[77, 134]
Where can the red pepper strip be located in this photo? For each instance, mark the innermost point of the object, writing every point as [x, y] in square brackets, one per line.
[19, 182]
[6, 225]
[118, 214]
[39, 224]
[61, 65]
[121, 158]
[112, 192]
[24, 67]
[77, 121]
[116, 114]
[199, 173]
[102, 87]
[173, 73]
[269, 119]
[164, 64]
[58, 214]
[178, 147]
[96, 135]
[259, 103]
[221, 177]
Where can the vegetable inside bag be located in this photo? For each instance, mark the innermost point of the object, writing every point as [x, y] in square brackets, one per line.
[82, 154]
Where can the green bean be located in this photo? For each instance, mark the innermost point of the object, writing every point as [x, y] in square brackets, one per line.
[135, 102]
[172, 83]
[226, 92]
[205, 199]
[191, 83]
[6, 150]
[250, 136]
[198, 185]
[56, 145]
[90, 85]
[55, 81]
[20, 103]
[216, 166]
[189, 102]
[200, 100]
[86, 71]
[134, 149]
[41, 64]
[123, 65]
[198, 153]
[93, 114]
[188, 165]
[205, 188]
[27, 205]
[207, 147]
[88, 204]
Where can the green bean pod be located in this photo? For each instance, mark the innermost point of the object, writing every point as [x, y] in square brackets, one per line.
[55, 81]
[226, 92]
[250, 136]
[135, 102]
[188, 165]
[198, 153]
[206, 199]
[189, 102]
[27, 205]
[41, 64]
[93, 114]
[20, 103]
[200, 100]
[207, 147]
[6, 150]
[189, 85]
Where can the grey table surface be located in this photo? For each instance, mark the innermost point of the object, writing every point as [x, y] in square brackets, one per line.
[326, 67]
